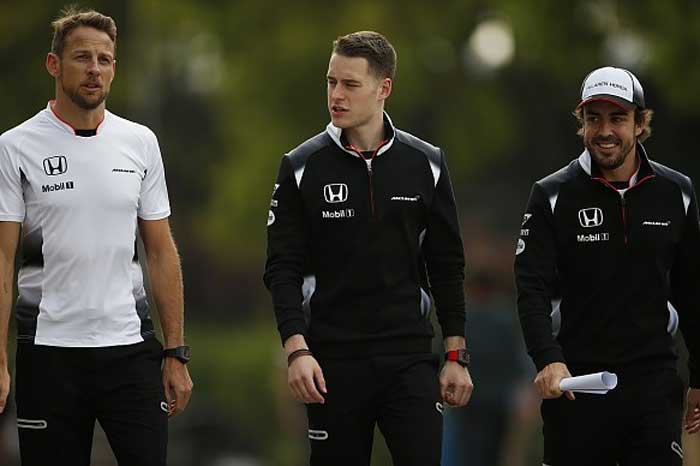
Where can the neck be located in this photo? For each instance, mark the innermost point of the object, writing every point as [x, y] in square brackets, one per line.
[78, 118]
[625, 171]
[367, 136]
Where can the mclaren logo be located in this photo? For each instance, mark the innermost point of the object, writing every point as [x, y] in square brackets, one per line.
[335, 192]
[590, 217]
[56, 165]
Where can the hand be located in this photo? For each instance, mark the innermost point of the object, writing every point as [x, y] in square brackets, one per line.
[692, 414]
[547, 381]
[4, 388]
[178, 386]
[304, 375]
[455, 384]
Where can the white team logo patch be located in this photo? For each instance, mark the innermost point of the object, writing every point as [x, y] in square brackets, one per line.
[318, 434]
[677, 449]
[36, 424]
[656, 223]
[439, 407]
[520, 247]
[526, 217]
[273, 202]
[270, 217]
[590, 217]
[335, 192]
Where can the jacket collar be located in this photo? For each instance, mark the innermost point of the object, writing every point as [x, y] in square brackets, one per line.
[645, 168]
[336, 135]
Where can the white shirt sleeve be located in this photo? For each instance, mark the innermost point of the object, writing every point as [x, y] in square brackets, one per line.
[12, 207]
[153, 201]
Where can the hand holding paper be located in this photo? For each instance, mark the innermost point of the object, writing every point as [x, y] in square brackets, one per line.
[599, 383]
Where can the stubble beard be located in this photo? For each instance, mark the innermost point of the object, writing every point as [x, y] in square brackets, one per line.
[610, 162]
[82, 102]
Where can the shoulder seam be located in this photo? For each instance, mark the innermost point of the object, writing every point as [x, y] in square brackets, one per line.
[432, 153]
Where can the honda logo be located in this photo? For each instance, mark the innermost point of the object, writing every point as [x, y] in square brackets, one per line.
[335, 192]
[590, 217]
[56, 165]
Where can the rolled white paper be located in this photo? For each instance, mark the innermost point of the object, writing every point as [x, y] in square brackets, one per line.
[599, 383]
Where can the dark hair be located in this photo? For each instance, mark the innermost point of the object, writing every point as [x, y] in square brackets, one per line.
[642, 117]
[72, 18]
[372, 46]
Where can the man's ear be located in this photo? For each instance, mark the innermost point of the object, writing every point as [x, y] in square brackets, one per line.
[53, 64]
[385, 86]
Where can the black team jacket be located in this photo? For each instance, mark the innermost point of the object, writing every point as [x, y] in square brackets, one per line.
[356, 245]
[622, 266]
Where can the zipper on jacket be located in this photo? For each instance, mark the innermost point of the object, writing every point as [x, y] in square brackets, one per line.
[371, 188]
[623, 201]
[623, 206]
[368, 162]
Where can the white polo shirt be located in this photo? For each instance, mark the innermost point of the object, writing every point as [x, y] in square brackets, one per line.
[78, 199]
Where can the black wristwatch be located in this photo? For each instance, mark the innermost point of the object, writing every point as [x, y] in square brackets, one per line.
[181, 353]
[460, 356]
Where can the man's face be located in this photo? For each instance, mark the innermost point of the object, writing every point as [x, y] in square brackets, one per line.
[609, 133]
[86, 68]
[355, 94]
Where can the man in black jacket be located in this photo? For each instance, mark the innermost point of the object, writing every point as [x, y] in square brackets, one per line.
[362, 224]
[608, 252]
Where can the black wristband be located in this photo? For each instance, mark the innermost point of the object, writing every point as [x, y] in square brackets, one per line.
[298, 353]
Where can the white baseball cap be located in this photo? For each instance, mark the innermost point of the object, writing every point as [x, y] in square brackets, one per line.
[615, 85]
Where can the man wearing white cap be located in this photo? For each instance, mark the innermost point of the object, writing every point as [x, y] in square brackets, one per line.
[608, 251]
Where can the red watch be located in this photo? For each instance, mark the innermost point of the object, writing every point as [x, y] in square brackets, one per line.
[460, 356]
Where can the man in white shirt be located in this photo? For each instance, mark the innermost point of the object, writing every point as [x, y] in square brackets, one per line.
[78, 182]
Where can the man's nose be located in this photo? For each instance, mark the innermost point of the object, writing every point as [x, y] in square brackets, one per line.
[337, 92]
[605, 128]
[92, 66]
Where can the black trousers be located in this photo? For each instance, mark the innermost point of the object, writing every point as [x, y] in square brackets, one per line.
[399, 393]
[636, 424]
[60, 392]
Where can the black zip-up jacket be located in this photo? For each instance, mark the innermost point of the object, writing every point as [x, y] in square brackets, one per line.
[350, 242]
[624, 265]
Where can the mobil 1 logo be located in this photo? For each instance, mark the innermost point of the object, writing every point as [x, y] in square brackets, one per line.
[54, 166]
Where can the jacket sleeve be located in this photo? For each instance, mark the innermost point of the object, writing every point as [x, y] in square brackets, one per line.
[535, 277]
[685, 288]
[444, 257]
[286, 253]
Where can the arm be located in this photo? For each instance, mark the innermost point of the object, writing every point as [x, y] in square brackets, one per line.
[286, 255]
[9, 237]
[456, 384]
[535, 265]
[444, 257]
[685, 294]
[165, 278]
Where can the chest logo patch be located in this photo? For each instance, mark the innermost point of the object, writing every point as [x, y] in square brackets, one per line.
[335, 192]
[590, 217]
[656, 223]
[56, 165]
